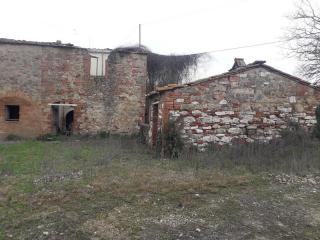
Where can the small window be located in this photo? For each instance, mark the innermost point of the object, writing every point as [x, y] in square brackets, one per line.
[94, 68]
[98, 65]
[12, 112]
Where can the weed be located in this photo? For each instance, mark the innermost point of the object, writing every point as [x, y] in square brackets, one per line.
[295, 152]
[113, 188]
[21, 158]
[170, 143]
[103, 134]
[317, 125]
[48, 137]
[13, 137]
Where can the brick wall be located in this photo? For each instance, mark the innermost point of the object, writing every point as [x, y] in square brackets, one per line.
[33, 76]
[116, 103]
[127, 76]
[254, 105]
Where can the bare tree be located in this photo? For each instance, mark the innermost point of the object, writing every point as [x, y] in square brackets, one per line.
[304, 39]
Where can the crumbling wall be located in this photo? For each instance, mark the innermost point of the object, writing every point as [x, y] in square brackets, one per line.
[127, 78]
[116, 102]
[20, 81]
[254, 105]
[65, 79]
[33, 76]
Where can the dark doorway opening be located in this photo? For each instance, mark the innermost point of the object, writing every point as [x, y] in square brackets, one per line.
[69, 122]
[63, 118]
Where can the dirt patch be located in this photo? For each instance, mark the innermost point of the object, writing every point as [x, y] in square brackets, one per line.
[101, 229]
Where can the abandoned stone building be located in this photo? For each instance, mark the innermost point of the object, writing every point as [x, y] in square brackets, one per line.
[55, 87]
[247, 103]
[61, 88]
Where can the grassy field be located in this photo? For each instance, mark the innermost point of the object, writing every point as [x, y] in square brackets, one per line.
[116, 189]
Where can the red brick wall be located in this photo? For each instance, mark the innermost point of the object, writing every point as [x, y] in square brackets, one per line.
[28, 123]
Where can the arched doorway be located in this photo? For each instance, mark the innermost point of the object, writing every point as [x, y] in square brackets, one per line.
[63, 117]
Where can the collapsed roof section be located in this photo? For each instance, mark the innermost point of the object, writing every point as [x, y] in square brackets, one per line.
[58, 43]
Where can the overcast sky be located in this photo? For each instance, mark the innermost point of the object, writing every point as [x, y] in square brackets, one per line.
[168, 26]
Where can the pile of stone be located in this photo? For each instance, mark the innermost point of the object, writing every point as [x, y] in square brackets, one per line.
[58, 177]
[293, 179]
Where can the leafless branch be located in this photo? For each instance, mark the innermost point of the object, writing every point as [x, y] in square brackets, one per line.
[304, 39]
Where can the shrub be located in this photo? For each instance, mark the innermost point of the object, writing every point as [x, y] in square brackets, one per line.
[295, 152]
[103, 134]
[143, 133]
[13, 137]
[171, 144]
[294, 134]
[47, 137]
[317, 125]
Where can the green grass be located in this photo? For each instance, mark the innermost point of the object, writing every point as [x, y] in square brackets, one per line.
[1, 235]
[125, 193]
[21, 158]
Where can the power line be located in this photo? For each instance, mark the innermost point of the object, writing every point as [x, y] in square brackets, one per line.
[240, 47]
[226, 49]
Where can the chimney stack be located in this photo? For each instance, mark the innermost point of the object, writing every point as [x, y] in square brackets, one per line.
[238, 63]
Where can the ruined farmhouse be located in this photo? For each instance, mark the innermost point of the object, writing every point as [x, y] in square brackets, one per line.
[61, 88]
[248, 103]
[55, 87]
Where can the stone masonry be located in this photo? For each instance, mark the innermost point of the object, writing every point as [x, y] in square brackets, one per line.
[34, 75]
[251, 103]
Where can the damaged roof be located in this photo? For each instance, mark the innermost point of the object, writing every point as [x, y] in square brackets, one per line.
[99, 50]
[34, 43]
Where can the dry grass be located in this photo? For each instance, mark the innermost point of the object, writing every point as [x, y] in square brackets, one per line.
[123, 192]
[296, 152]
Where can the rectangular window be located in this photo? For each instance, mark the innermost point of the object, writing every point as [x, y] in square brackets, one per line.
[12, 112]
[98, 64]
[94, 68]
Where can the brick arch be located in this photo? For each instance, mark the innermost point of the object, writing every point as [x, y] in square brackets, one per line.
[29, 123]
[21, 96]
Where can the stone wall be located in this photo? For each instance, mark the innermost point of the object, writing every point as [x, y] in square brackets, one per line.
[247, 106]
[116, 102]
[33, 76]
[127, 78]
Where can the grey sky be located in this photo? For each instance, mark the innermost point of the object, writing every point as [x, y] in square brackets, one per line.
[168, 26]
